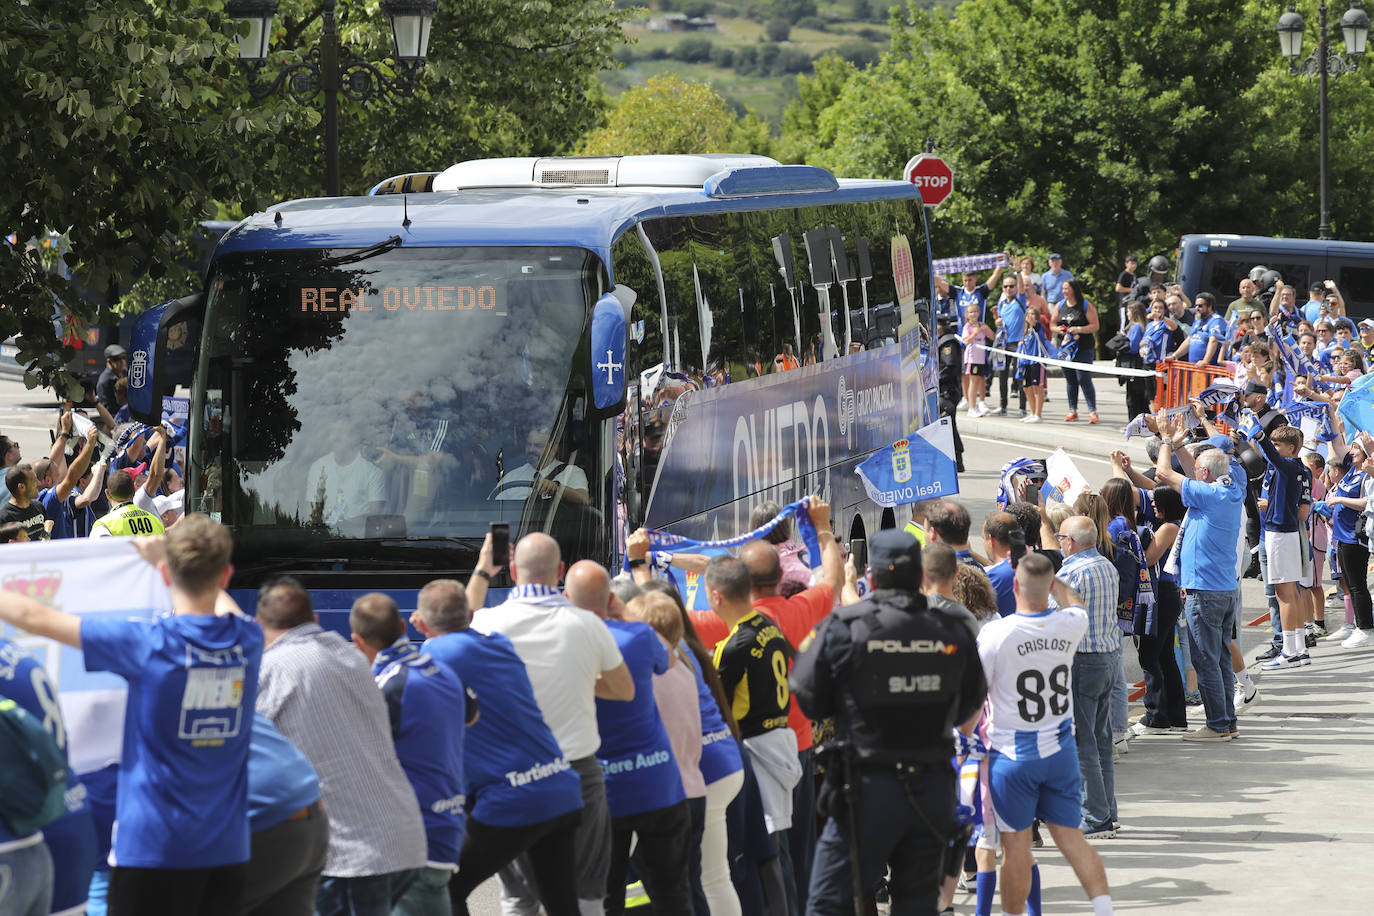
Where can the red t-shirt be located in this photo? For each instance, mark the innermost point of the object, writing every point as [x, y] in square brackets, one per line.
[796, 617]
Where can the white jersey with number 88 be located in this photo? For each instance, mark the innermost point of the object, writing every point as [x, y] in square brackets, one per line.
[1028, 660]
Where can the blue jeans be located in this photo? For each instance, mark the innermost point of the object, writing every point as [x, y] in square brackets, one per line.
[372, 895]
[1211, 616]
[27, 887]
[1075, 378]
[427, 894]
[1121, 699]
[1093, 676]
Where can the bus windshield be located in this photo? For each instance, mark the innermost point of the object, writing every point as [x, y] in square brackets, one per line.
[353, 405]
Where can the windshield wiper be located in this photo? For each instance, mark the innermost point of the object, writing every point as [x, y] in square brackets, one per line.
[371, 251]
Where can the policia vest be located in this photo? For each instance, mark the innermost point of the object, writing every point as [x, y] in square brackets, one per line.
[130, 521]
[904, 676]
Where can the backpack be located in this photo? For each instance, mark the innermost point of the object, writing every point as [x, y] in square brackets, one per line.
[33, 772]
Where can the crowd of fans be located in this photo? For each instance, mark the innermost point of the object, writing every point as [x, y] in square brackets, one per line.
[1046, 315]
[593, 742]
[103, 475]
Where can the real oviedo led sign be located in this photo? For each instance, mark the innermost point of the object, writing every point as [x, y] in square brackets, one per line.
[932, 175]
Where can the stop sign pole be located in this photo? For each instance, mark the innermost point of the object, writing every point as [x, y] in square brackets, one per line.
[932, 175]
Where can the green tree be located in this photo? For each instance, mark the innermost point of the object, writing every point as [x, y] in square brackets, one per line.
[125, 122]
[502, 79]
[1124, 123]
[670, 115]
[777, 29]
[116, 122]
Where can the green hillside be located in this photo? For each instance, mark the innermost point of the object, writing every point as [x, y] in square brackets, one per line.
[756, 50]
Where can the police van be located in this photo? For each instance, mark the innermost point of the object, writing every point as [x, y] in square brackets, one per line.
[1217, 264]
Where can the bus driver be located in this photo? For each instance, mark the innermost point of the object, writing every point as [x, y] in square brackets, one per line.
[545, 473]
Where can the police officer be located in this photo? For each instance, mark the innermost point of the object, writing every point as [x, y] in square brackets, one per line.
[897, 676]
[124, 518]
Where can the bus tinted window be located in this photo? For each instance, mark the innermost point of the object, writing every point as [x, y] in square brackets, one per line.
[419, 393]
[1357, 286]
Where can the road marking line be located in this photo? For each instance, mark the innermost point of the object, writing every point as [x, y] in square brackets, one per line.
[1007, 443]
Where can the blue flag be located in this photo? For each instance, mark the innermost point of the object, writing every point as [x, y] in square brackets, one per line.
[910, 470]
[1249, 424]
[1218, 393]
[1356, 409]
[1005, 491]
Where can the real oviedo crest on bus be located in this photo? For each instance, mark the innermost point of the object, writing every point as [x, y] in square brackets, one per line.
[909, 470]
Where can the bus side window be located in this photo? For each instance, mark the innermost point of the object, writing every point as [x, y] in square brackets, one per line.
[1357, 286]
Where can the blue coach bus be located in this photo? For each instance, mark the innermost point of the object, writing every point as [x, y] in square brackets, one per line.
[575, 346]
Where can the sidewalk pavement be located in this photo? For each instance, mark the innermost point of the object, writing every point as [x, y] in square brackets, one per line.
[1278, 821]
[1097, 439]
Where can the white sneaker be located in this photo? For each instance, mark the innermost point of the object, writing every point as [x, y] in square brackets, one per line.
[963, 402]
[1242, 700]
[1358, 639]
[1034, 419]
[1341, 634]
[1122, 741]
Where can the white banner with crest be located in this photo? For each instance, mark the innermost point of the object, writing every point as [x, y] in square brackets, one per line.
[100, 577]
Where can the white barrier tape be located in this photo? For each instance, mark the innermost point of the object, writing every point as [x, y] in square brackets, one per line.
[1065, 364]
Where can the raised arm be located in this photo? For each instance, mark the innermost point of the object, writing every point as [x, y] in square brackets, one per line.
[39, 619]
[832, 561]
[150, 486]
[1340, 300]
[1164, 468]
[94, 487]
[1122, 467]
[78, 466]
[58, 453]
[476, 590]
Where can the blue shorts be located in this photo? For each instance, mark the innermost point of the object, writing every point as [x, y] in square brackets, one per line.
[1022, 790]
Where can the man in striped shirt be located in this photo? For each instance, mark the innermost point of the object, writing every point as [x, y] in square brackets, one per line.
[1096, 668]
[1032, 766]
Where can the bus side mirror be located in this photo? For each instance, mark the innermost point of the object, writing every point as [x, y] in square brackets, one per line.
[162, 350]
[606, 357]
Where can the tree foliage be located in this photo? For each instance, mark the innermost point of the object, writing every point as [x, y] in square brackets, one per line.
[1120, 126]
[124, 122]
[502, 79]
[669, 115]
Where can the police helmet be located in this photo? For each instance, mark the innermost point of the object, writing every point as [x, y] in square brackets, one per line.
[1257, 273]
[1159, 264]
[1270, 278]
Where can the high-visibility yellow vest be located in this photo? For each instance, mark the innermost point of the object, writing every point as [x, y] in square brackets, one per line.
[917, 532]
[130, 521]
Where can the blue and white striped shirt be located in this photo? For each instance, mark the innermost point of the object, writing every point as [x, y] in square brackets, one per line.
[1095, 578]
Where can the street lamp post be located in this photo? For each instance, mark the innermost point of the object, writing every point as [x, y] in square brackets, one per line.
[330, 67]
[1324, 62]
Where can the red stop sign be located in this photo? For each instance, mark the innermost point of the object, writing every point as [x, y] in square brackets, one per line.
[932, 175]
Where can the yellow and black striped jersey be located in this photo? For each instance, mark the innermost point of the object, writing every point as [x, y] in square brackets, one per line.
[752, 661]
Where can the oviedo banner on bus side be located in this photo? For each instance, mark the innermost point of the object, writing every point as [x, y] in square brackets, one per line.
[778, 437]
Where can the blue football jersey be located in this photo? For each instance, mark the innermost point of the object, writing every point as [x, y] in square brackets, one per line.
[71, 838]
[636, 756]
[183, 778]
[514, 773]
[427, 705]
